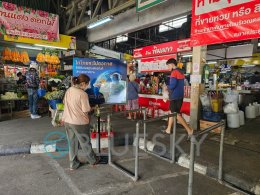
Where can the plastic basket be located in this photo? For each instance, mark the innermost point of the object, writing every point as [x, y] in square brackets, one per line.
[212, 116]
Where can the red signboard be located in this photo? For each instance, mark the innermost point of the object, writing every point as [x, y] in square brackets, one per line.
[163, 49]
[218, 21]
[160, 104]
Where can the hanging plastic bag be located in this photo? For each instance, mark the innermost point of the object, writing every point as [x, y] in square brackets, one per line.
[57, 119]
[231, 108]
[230, 96]
[165, 92]
[205, 100]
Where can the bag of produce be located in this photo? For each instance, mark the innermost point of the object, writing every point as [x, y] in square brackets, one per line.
[57, 119]
[165, 92]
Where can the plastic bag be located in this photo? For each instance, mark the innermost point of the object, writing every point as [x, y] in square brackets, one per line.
[205, 100]
[230, 96]
[57, 119]
[165, 93]
[231, 108]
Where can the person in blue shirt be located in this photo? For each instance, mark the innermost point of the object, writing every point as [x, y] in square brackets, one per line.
[132, 96]
[32, 84]
[176, 94]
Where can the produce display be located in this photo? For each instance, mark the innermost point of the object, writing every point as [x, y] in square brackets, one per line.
[7, 54]
[24, 57]
[15, 56]
[48, 57]
[12, 95]
[55, 95]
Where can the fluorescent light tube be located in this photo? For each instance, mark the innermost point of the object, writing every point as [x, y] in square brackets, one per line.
[187, 56]
[212, 62]
[100, 22]
[28, 47]
[178, 23]
[248, 66]
[53, 47]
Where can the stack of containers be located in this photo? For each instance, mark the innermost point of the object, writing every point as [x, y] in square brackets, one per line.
[235, 118]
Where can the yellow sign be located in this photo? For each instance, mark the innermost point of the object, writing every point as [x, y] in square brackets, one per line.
[66, 42]
[128, 57]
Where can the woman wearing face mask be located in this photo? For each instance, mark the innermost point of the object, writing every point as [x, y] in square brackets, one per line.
[76, 120]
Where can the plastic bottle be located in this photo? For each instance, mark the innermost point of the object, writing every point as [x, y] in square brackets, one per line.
[257, 108]
[241, 118]
[233, 120]
[250, 112]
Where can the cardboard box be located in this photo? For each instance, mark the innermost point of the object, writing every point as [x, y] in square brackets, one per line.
[205, 124]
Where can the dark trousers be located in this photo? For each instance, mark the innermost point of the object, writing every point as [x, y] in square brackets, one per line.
[79, 135]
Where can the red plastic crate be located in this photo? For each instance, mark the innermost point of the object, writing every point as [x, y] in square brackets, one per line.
[102, 134]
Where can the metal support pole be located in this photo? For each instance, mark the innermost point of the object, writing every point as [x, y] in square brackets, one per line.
[191, 170]
[137, 151]
[173, 139]
[145, 147]
[98, 135]
[109, 139]
[220, 168]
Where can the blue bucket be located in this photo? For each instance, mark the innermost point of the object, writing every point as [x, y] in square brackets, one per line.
[41, 92]
[53, 103]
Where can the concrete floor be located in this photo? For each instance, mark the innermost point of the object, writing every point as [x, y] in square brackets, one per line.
[241, 150]
[40, 174]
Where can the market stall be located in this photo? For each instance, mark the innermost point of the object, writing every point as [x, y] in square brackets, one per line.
[16, 55]
[152, 66]
[231, 73]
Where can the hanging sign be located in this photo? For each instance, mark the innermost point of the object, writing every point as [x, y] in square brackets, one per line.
[108, 79]
[65, 42]
[224, 68]
[26, 22]
[218, 21]
[145, 4]
[155, 64]
[163, 49]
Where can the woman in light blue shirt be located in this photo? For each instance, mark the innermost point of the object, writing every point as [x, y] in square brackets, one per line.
[132, 96]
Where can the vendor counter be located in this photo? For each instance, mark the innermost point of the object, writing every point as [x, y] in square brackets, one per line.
[9, 104]
[156, 102]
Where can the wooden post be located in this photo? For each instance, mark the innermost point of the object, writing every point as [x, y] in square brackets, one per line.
[198, 60]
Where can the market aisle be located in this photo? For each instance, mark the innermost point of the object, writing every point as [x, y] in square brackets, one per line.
[40, 174]
[25, 130]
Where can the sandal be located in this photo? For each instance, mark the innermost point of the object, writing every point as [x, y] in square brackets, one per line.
[165, 132]
[97, 161]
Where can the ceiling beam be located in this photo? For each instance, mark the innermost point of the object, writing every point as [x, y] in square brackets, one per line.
[115, 3]
[97, 8]
[110, 2]
[131, 22]
[82, 12]
[113, 11]
[71, 15]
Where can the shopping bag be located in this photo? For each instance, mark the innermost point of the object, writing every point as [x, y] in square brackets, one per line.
[165, 93]
[57, 119]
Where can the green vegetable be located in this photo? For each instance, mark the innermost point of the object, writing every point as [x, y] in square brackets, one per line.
[55, 95]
